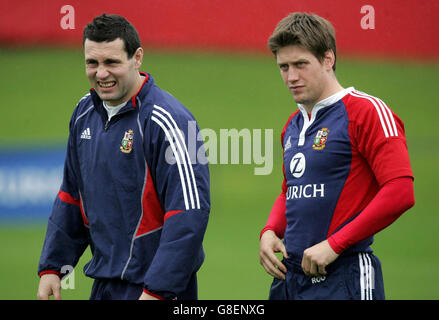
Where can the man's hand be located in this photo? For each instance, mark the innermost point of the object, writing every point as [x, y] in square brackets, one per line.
[316, 258]
[268, 245]
[146, 296]
[50, 284]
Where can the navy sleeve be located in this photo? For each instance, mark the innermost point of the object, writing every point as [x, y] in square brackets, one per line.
[179, 169]
[66, 235]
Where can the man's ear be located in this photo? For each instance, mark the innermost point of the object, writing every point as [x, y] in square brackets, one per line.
[138, 57]
[329, 60]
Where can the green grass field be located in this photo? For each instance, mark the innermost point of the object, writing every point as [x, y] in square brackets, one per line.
[40, 87]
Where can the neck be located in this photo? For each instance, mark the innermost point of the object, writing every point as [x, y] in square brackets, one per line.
[332, 88]
[135, 88]
[138, 84]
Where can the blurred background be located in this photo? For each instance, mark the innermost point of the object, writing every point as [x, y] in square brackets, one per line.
[212, 56]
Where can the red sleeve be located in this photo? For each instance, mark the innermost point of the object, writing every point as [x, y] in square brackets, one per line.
[378, 135]
[392, 200]
[277, 220]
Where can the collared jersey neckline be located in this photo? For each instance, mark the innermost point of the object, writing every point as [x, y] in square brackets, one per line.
[308, 120]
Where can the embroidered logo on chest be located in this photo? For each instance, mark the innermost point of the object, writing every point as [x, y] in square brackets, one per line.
[320, 139]
[127, 142]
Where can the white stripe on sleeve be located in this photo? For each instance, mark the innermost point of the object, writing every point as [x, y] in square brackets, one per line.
[185, 151]
[392, 119]
[377, 108]
[180, 171]
[173, 131]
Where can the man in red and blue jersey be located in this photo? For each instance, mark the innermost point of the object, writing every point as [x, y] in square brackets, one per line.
[131, 190]
[347, 174]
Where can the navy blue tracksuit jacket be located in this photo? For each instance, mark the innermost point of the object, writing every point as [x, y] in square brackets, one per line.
[134, 192]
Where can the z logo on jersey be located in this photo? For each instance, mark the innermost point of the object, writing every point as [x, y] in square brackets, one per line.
[311, 190]
[298, 165]
[320, 139]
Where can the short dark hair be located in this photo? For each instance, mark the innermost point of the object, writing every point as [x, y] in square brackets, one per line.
[309, 31]
[107, 28]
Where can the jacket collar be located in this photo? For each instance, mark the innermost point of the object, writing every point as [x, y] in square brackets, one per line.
[133, 102]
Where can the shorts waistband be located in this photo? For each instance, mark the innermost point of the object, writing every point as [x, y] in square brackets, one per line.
[294, 263]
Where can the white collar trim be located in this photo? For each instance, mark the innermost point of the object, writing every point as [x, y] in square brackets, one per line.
[318, 106]
[330, 100]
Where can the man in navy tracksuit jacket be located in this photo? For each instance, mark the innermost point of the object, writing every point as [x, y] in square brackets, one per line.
[131, 190]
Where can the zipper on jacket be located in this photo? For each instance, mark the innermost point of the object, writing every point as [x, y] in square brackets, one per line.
[115, 118]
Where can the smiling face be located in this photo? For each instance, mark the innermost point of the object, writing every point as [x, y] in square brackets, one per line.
[113, 75]
[308, 79]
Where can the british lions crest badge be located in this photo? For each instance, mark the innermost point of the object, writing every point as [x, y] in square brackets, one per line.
[127, 142]
[320, 139]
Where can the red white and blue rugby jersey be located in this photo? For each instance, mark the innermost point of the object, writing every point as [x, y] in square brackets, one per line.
[335, 161]
[142, 211]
